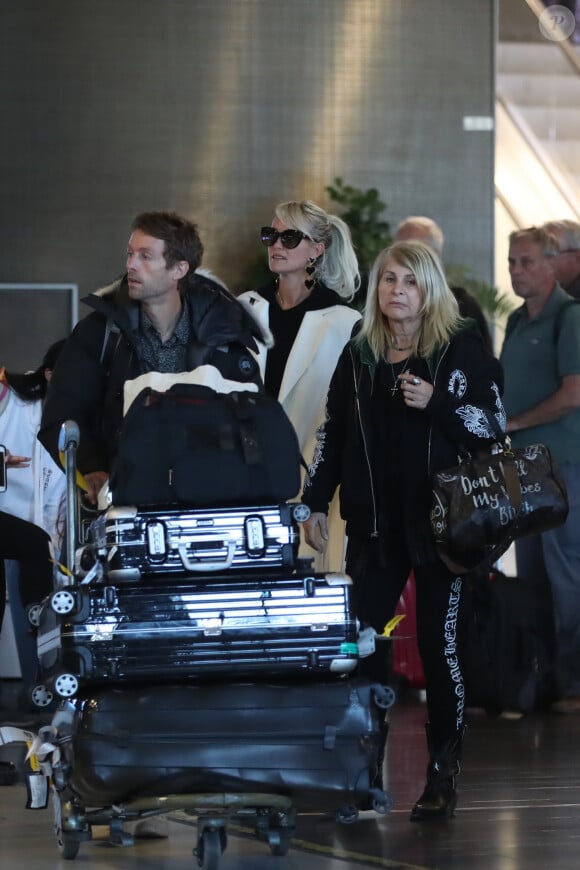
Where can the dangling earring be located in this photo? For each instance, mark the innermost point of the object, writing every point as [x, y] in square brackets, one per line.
[310, 269]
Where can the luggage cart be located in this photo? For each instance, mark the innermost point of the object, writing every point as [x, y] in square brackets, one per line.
[272, 815]
[327, 767]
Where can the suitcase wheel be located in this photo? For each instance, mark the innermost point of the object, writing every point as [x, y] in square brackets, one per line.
[66, 685]
[301, 512]
[384, 697]
[41, 696]
[63, 601]
[347, 815]
[382, 802]
[33, 612]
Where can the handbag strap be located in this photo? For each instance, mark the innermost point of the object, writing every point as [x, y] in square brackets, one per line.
[512, 478]
[509, 463]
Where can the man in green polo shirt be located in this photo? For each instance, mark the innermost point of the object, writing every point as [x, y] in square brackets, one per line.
[541, 360]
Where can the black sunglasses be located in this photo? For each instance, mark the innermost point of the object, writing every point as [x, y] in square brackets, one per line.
[289, 238]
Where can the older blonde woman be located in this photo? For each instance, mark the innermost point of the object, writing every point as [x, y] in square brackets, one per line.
[414, 385]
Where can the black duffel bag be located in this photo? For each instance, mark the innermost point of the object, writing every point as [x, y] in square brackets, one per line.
[191, 445]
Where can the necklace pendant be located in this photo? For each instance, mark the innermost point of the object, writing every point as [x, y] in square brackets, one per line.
[394, 389]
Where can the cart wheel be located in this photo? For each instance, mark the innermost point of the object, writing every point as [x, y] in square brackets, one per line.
[279, 848]
[41, 696]
[66, 685]
[62, 602]
[209, 849]
[68, 845]
[118, 836]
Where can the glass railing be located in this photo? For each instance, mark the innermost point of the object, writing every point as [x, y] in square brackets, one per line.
[537, 172]
[538, 87]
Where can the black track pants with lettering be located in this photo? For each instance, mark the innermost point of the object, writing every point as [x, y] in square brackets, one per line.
[379, 575]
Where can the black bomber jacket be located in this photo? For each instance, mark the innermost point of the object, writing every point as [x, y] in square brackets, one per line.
[468, 383]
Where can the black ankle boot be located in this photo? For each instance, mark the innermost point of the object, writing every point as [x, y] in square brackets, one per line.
[439, 795]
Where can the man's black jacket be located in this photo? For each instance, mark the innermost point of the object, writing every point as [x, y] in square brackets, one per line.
[88, 388]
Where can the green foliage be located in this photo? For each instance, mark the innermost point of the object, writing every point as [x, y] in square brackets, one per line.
[495, 305]
[255, 275]
[362, 210]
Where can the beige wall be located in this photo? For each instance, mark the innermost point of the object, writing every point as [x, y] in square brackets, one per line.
[221, 108]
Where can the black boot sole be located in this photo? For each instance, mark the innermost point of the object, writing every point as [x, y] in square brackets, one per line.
[423, 815]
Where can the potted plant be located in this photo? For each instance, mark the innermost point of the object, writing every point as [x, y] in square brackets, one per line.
[362, 210]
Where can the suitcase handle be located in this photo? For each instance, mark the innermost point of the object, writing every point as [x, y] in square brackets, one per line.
[207, 566]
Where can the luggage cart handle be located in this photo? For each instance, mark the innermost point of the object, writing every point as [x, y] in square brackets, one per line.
[69, 436]
[68, 441]
[207, 566]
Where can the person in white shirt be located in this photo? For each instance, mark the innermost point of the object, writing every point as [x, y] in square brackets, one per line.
[32, 506]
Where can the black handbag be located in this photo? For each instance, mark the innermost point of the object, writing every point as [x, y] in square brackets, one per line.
[486, 502]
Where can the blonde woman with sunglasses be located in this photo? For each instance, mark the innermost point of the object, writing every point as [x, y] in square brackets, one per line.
[305, 306]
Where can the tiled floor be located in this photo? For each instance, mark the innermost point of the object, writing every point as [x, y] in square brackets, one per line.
[519, 809]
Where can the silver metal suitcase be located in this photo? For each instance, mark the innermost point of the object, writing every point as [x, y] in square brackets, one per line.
[132, 543]
[210, 628]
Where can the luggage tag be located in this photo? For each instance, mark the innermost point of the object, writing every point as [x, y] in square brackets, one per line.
[392, 624]
[37, 791]
[368, 637]
[37, 783]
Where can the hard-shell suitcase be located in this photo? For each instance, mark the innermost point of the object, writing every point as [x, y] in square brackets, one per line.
[132, 543]
[318, 743]
[203, 630]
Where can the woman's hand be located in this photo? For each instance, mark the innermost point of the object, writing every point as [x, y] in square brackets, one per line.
[95, 481]
[12, 461]
[416, 393]
[316, 531]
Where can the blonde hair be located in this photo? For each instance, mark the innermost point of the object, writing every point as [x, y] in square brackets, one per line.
[337, 266]
[439, 311]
